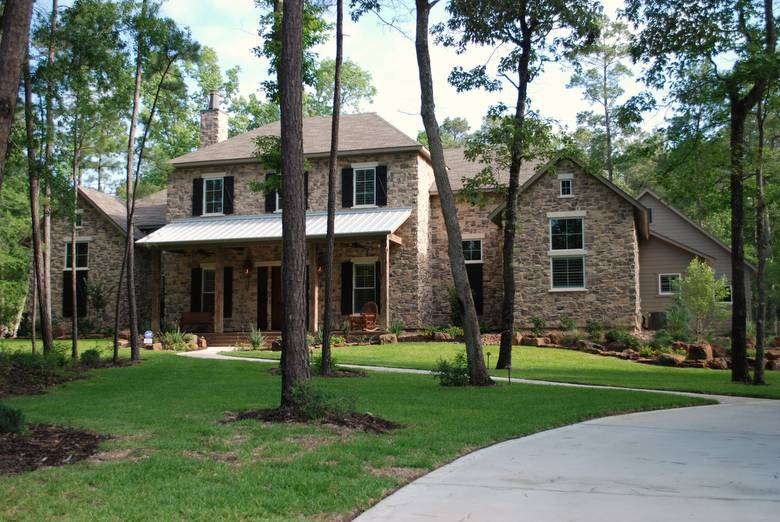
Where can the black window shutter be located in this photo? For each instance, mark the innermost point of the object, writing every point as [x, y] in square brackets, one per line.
[81, 294]
[346, 188]
[227, 200]
[474, 272]
[381, 186]
[306, 188]
[197, 197]
[196, 283]
[346, 287]
[270, 195]
[262, 298]
[378, 286]
[67, 295]
[227, 292]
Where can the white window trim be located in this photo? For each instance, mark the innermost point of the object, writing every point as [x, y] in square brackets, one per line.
[80, 212]
[565, 175]
[569, 252]
[731, 294]
[472, 237]
[203, 292]
[372, 264]
[567, 214]
[67, 248]
[677, 274]
[481, 253]
[571, 188]
[365, 165]
[583, 288]
[277, 201]
[373, 167]
[207, 177]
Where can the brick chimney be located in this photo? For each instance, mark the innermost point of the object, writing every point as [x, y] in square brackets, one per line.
[213, 122]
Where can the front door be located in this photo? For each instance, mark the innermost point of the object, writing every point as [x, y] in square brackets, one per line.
[271, 296]
[276, 298]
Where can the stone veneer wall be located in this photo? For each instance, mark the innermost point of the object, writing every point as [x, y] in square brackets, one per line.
[106, 248]
[408, 262]
[474, 224]
[611, 262]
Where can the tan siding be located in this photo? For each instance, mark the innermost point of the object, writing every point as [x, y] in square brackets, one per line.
[658, 257]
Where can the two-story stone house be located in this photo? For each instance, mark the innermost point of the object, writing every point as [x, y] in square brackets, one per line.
[578, 252]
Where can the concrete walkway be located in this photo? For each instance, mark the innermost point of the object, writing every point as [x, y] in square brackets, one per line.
[706, 463]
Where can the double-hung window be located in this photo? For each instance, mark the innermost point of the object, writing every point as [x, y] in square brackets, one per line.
[668, 284]
[213, 195]
[472, 250]
[363, 284]
[365, 186]
[79, 219]
[567, 253]
[472, 253]
[567, 189]
[82, 256]
[82, 272]
[208, 290]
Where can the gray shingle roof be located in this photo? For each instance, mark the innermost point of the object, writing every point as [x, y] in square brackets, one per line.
[149, 211]
[459, 169]
[357, 132]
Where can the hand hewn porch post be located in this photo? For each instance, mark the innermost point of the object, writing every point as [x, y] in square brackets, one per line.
[385, 290]
[155, 290]
[219, 285]
[314, 287]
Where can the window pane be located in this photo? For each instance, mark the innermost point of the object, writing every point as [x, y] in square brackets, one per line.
[82, 255]
[566, 234]
[565, 187]
[364, 187]
[472, 250]
[213, 196]
[364, 290]
[568, 272]
[669, 283]
[208, 289]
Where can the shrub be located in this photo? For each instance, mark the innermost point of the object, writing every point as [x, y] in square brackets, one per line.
[567, 323]
[647, 351]
[316, 363]
[539, 325]
[176, 340]
[90, 358]
[313, 403]
[593, 328]
[456, 307]
[661, 338]
[571, 338]
[702, 296]
[11, 419]
[624, 337]
[452, 373]
[396, 327]
[336, 340]
[454, 331]
[678, 320]
[256, 339]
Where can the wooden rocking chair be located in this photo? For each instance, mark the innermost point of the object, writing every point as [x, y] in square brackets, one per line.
[366, 319]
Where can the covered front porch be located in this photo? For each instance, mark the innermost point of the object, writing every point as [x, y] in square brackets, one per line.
[223, 275]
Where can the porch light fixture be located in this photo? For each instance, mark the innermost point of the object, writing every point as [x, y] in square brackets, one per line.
[247, 268]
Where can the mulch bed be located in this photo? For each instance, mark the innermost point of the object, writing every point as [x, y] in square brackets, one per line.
[45, 445]
[351, 420]
[18, 379]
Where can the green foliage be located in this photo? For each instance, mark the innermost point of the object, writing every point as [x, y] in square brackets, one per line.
[572, 337]
[98, 294]
[567, 323]
[452, 373]
[256, 339]
[14, 255]
[702, 296]
[456, 307]
[539, 325]
[356, 87]
[454, 331]
[90, 358]
[593, 328]
[178, 341]
[454, 133]
[337, 340]
[313, 403]
[316, 364]
[396, 327]
[679, 319]
[622, 336]
[662, 338]
[11, 419]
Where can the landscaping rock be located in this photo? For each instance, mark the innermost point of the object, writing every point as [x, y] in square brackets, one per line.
[534, 341]
[157, 347]
[124, 334]
[718, 351]
[517, 339]
[442, 336]
[554, 338]
[123, 343]
[775, 342]
[610, 354]
[699, 352]
[202, 343]
[276, 345]
[774, 364]
[679, 345]
[694, 364]
[589, 347]
[388, 338]
[718, 363]
[629, 354]
[670, 359]
[772, 355]
[615, 346]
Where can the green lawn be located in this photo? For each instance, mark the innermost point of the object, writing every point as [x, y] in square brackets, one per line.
[550, 364]
[176, 462]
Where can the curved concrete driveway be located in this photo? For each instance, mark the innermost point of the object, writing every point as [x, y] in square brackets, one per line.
[706, 463]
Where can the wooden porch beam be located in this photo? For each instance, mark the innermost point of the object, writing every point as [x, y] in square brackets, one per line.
[385, 312]
[219, 292]
[156, 290]
[395, 239]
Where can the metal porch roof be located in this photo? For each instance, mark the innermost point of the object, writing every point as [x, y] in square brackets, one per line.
[224, 229]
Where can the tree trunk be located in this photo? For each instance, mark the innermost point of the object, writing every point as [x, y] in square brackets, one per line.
[739, 370]
[478, 374]
[15, 30]
[48, 160]
[74, 321]
[762, 242]
[135, 352]
[34, 187]
[607, 125]
[34, 309]
[510, 214]
[117, 306]
[295, 355]
[333, 161]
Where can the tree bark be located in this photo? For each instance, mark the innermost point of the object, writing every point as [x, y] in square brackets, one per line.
[135, 352]
[607, 124]
[74, 321]
[48, 158]
[510, 214]
[295, 355]
[34, 309]
[15, 31]
[478, 374]
[117, 305]
[330, 235]
[762, 243]
[34, 187]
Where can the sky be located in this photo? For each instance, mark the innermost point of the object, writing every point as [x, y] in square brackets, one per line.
[230, 28]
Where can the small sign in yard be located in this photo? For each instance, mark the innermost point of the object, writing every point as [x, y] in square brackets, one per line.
[148, 337]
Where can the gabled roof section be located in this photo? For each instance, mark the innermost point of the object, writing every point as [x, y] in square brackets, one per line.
[149, 211]
[692, 223]
[640, 211]
[679, 245]
[459, 169]
[111, 207]
[268, 227]
[358, 133]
